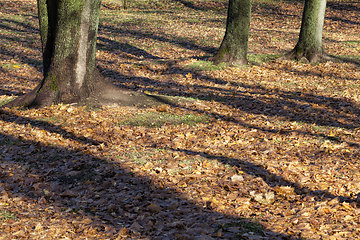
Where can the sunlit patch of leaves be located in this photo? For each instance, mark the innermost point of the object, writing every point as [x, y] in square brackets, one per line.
[5, 99]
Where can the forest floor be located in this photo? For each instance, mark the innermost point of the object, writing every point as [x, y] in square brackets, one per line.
[266, 151]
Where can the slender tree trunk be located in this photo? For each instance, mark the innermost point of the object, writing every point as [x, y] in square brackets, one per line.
[68, 31]
[234, 47]
[310, 38]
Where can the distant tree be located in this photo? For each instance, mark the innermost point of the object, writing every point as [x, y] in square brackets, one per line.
[234, 47]
[125, 4]
[68, 30]
[309, 44]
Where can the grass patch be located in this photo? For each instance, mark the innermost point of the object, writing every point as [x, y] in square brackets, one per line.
[138, 157]
[205, 66]
[355, 59]
[6, 216]
[261, 58]
[5, 100]
[245, 229]
[155, 119]
[135, 4]
[54, 120]
[352, 42]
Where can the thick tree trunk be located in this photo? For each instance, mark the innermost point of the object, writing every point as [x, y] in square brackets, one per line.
[234, 47]
[310, 38]
[68, 31]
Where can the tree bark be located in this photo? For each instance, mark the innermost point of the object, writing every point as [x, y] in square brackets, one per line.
[234, 47]
[309, 44]
[68, 30]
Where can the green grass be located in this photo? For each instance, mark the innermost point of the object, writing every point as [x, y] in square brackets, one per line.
[352, 42]
[155, 119]
[5, 100]
[6, 215]
[136, 4]
[261, 58]
[139, 157]
[205, 65]
[245, 227]
[355, 59]
[54, 120]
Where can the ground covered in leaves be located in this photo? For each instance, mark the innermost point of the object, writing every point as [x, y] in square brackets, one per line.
[268, 151]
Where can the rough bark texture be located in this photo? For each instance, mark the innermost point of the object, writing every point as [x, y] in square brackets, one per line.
[310, 38]
[234, 47]
[68, 31]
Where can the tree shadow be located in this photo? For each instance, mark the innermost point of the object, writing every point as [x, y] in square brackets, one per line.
[202, 6]
[8, 117]
[293, 106]
[347, 21]
[271, 179]
[190, 5]
[346, 59]
[114, 46]
[27, 28]
[28, 41]
[183, 42]
[298, 106]
[107, 192]
[343, 6]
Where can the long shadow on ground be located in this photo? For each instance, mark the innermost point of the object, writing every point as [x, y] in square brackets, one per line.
[293, 106]
[106, 192]
[183, 42]
[268, 177]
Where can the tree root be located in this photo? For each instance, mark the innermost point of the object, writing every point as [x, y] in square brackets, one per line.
[310, 56]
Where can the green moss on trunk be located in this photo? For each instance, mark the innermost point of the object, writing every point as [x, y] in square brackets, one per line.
[234, 47]
[310, 38]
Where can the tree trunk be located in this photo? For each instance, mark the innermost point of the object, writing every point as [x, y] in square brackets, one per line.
[310, 38]
[234, 47]
[68, 31]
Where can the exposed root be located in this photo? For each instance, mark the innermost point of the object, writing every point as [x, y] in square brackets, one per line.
[310, 56]
[101, 92]
[227, 59]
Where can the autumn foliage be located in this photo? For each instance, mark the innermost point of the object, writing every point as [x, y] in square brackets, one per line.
[267, 151]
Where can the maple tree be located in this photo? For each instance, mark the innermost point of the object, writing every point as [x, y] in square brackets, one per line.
[234, 46]
[309, 44]
[68, 32]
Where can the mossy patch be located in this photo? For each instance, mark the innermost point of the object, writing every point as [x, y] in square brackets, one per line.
[205, 66]
[261, 58]
[5, 99]
[245, 229]
[52, 82]
[7, 215]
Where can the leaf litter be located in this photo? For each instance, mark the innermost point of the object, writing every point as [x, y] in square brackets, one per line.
[268, 151]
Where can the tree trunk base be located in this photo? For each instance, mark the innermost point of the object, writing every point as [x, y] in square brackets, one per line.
[309, 55]
[101, 92]
[112, 95]
[228, 60]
